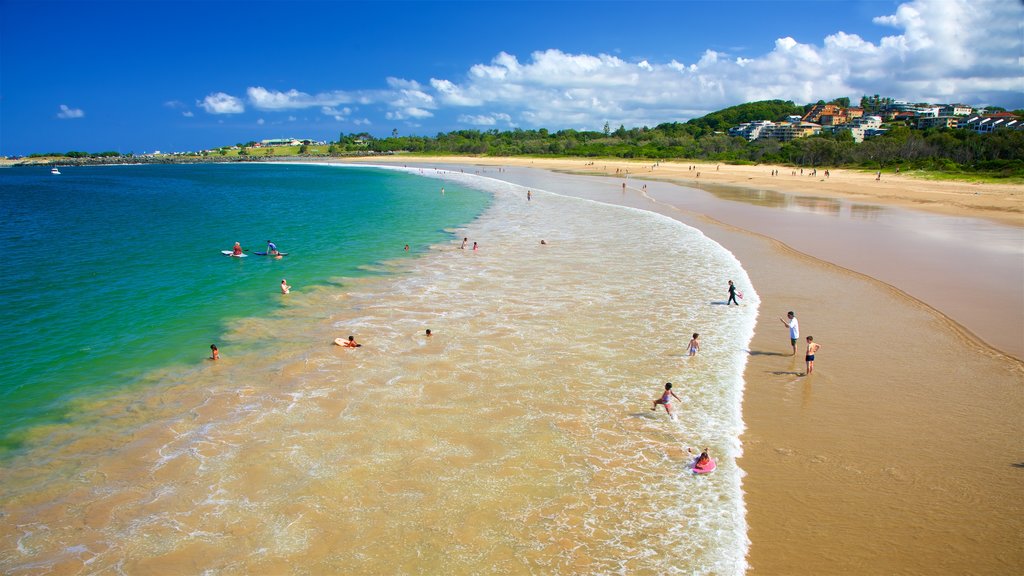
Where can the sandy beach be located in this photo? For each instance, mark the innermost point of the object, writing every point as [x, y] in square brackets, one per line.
[902, 453]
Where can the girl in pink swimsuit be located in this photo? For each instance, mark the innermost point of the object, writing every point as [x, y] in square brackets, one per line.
[666, 399]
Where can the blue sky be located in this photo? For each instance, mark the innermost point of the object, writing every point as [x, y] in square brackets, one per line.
[186, 75]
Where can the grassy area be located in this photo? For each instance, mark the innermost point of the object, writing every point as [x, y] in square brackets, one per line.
[277, 151]
[968, 177]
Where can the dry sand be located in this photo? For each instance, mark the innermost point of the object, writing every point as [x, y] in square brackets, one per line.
[902, 453]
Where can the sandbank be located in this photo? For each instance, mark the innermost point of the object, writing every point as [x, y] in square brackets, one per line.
[902, 452]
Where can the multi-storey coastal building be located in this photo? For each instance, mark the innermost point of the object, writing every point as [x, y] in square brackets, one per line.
[751, 130]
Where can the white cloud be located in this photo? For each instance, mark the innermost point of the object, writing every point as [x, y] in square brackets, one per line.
[221, 103]
[67, 113]
[485, 119]
[293, 99]
[260, 122]
[407, 113]
[943, 51]
[187, 114]
[936, 50]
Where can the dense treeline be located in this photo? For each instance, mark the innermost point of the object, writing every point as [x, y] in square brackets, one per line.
[76, 154]
[1001, 153]
[943, 149]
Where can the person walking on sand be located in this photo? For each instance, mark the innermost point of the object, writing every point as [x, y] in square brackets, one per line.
[732, 294]
[694, 344]
[285, 288]
[812, 348]
[794, 329]
[666, 400]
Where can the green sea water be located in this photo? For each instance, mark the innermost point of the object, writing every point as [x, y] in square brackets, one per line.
[113, 272]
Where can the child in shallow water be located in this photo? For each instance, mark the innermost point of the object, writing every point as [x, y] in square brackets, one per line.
[701, 460]
[214, 353]
[666, 400]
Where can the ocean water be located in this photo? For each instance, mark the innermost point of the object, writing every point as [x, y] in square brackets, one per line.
[517, 439]
[115, 271]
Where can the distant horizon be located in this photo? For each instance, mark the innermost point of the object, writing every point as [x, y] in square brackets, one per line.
[101, 76]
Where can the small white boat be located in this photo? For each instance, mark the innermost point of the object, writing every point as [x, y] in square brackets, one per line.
[54, 170]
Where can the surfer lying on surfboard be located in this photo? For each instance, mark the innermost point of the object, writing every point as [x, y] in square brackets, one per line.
[703, 464]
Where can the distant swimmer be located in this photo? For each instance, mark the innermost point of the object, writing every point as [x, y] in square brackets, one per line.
[666, 400]
[285, 288]
[529, 195]
[475, 246]
[794, 329]
[694, 344]
[350, 343]
[812, 349]
[271, 249]
[464, 242]
[237, 250]
[406, 247]
[544, 242]
[214, 353]
[429, 333]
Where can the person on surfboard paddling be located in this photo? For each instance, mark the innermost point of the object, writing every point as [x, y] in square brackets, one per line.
[702, 463]
[271, 249]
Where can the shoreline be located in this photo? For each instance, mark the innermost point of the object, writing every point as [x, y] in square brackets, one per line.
[936, 275]
[856, 463]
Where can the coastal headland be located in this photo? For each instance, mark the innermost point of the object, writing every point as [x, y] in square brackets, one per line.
[902, 452]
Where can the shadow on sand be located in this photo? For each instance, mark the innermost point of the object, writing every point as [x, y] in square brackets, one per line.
[763, 353]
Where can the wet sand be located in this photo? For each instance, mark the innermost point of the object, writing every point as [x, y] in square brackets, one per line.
[902, 452]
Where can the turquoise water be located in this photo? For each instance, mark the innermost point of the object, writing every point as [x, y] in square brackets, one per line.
[116, 271]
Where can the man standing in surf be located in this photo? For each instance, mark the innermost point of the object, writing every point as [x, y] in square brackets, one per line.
[794, 329]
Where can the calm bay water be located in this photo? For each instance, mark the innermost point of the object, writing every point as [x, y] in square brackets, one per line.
[517, 439]
[115, 271]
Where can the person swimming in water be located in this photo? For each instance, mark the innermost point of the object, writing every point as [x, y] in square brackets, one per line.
[350, 343]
